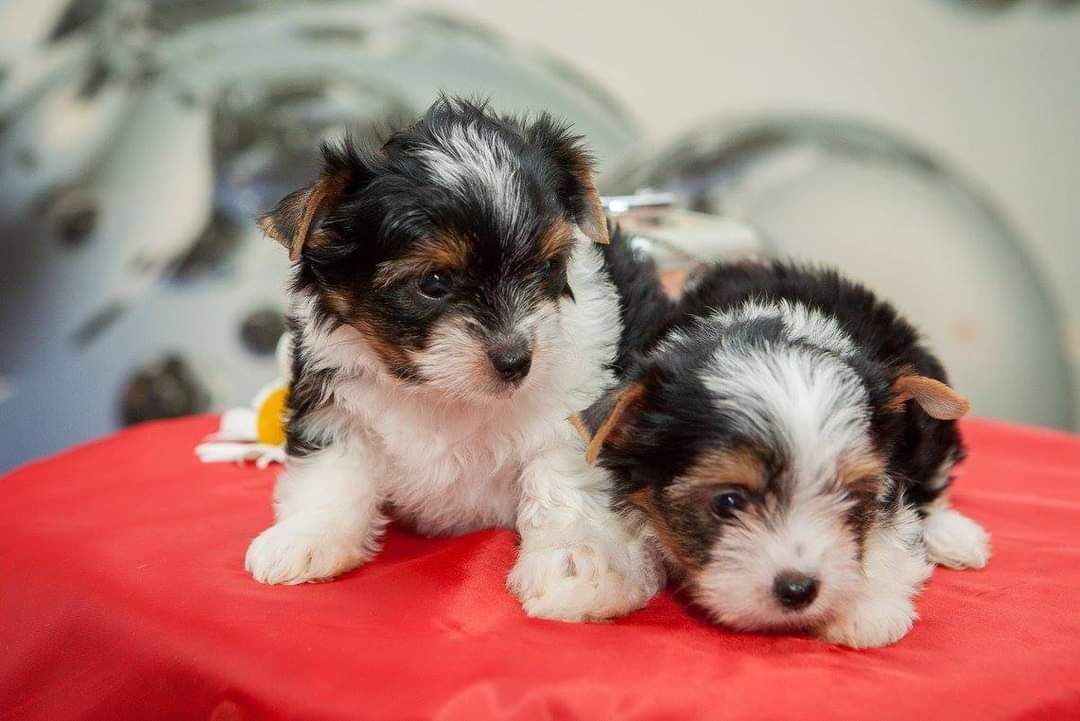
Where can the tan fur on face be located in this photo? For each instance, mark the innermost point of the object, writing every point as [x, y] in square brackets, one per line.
[740, 467]
[339, 303]
[715, 470]
[861, 472]
[390, 353]
[669, 539]
[558, 240]
[446, 251]
[342, 305]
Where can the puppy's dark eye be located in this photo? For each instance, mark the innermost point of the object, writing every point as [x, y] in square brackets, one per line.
[554, 273]
[435, 284]
[726, 502]
[553, 265]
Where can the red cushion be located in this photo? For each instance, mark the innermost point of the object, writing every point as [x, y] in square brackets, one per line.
[123, 595]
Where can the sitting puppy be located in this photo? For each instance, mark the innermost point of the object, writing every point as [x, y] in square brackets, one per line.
[790, 442]
[451, 307]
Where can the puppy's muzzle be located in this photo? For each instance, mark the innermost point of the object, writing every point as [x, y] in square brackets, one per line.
[512, 360]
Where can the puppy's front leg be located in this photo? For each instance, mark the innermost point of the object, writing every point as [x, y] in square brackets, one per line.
[327, 517]
[883, 610]
[579, 560]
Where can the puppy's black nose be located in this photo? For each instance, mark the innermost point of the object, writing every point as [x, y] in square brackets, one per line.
[795, 590]
[512, 361]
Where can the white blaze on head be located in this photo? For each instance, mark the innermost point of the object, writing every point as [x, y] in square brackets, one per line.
[468, 158]
[808, 405]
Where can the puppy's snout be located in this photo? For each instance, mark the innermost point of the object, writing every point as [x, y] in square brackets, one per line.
[795, 590]
[512, 360]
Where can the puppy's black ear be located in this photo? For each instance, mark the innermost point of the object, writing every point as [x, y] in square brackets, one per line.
[297, 221]
[609, 422]
[934, 397]
[577, 186]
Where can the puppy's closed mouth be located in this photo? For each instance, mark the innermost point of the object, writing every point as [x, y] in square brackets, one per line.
[504, 390]
[506, 393]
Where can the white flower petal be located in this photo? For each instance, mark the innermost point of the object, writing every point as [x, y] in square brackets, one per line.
[237, 424]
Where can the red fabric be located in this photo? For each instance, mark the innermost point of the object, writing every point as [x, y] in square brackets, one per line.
[123, 595]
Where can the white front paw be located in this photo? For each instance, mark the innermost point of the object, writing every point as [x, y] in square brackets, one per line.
[954, 540]
[870, 623]
[291, 552]
[580, 583]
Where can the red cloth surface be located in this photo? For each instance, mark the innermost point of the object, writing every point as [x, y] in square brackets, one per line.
[123, 595]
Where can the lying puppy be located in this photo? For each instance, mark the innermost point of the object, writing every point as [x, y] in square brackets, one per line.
[452, 306]
[790, 442]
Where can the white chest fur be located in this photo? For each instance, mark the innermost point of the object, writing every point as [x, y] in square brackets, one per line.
[451, 465]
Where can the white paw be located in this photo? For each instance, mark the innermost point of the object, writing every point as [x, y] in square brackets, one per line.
[954, 540]
[579, 583]
[871, 623]
[290, 553]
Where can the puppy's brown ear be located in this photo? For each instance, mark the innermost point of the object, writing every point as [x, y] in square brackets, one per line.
[296, 222]
[581, 196]
[590, 218]
[609, 421]
[937, 399]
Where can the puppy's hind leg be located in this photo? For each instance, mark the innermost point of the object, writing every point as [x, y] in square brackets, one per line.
[328, 518]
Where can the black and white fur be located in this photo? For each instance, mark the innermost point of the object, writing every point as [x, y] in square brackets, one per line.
[452, 305]
[779, 433]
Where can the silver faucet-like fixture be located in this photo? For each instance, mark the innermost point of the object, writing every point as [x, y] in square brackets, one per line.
[675, 236]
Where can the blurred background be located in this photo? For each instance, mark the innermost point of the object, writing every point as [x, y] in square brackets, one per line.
[927, 147]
